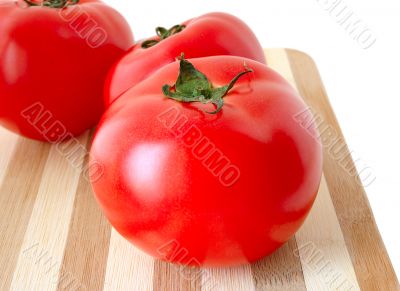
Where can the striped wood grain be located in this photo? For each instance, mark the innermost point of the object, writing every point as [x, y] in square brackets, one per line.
[280, 271]
[89, 232]
[45, 238]
[18, 191]
[321, 246]
[370, 259]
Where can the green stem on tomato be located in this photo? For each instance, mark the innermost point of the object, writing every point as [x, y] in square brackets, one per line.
[163, 33]
[52, 3]
[193, 86]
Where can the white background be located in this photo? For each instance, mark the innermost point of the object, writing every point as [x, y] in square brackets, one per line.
[362, 84]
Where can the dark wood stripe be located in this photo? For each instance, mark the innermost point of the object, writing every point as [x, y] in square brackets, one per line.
[280, 271]
[370, 259]
[85, 258]
[17, 197]
[167, 276]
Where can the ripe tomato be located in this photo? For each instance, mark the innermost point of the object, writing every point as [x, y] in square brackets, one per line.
[54, 59]
[197, 188]
[208, 35]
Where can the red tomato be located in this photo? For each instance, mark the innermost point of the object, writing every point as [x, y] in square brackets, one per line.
[53, 64]
[208, 35]
[196, 188]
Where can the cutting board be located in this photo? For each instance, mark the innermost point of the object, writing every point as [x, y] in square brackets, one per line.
[54, 236]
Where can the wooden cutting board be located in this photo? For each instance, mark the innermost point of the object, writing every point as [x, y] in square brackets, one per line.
[54, 236]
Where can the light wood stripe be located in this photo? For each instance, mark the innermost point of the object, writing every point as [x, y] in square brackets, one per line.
[227, 279]
[17, 196]
[322, 248]
[370, 259]
[127, 267]
[8, 141]
[45, 238]
[278, 61]
[168, 276]
[281, 270]
[323, 223]
[89, 233]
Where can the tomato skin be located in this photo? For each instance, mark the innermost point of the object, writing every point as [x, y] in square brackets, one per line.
[50, 59]
[160, 196]
[208, 35]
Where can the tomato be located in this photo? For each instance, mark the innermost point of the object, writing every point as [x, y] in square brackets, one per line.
[207, 35]
[54, 59]
[206, 173]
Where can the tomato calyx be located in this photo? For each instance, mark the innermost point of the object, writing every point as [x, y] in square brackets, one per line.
[193, 86]
[163, 33]
[52, 3]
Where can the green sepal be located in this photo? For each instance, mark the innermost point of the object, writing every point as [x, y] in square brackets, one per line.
[162, 33]
[53, 3]
[193, 86]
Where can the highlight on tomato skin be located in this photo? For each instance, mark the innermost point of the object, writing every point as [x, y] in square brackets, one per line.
[54, 58]
[193, 185]
[211, 34]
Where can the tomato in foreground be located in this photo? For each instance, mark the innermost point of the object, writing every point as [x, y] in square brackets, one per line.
[210, 169]
[207, 35]
[54, 58]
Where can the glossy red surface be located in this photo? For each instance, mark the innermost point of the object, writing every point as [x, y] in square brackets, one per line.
[58, 58]
[160, 190]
